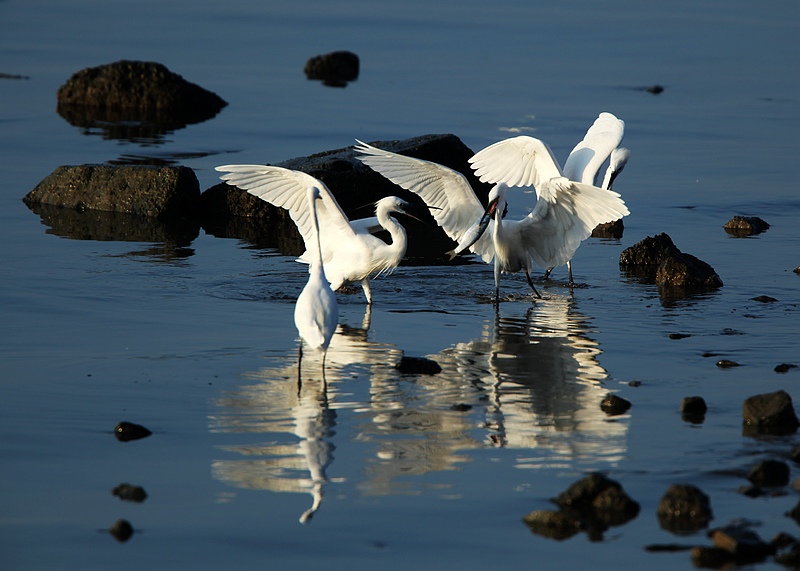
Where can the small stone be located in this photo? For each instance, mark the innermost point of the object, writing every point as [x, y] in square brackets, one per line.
[679, 335]
[613, 230]
[122, 530]
[784, 367]
[130, 493]
[769, 473]
[418, 366]
[765, 299]
[743, 543]
[553, 524]
[335, 69]
[461, 407]
[726, 364]
[684, 508]
[693, 409]
[613, 405]
[741, 226]
[710, 557]
[769, 413]
[126, 431]
[654, 89]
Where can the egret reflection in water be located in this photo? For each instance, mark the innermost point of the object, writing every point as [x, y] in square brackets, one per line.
[530, 383]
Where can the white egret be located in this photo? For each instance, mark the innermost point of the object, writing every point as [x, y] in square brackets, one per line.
[350, 252]
[521, 161]
[565, 214]
[316, 313]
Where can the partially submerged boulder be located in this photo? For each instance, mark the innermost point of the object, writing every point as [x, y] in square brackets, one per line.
[657, 260]
[741, 226]
[684, 508]
[161, 192]
[134, 99]
[356, 188]
[334, 69]
[769, 414]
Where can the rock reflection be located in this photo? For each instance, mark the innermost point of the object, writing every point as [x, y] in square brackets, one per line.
[530, 382]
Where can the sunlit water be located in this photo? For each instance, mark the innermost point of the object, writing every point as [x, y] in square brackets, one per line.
[194, 337]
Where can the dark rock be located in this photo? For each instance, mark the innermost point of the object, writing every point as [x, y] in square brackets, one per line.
[461, 407]
[679, 335]
[613, 229]
[335, 69]
[130, 493]
[783, 540]
[657, 260]
[769, 473]
[134, 100]
[553, 524]
[797, 270]
[693, 409]
[355, 187]
[741, 226]
[784, 367]
[417, 366]
[769, 413]
[654, 89]
[726, 364]
[789, 557]
[614, 405]
[745, 545]
[710, 557]
[765, 299]
[126, 431]
[161, 192]
[597, 502]
[684, 508]
[122, 530]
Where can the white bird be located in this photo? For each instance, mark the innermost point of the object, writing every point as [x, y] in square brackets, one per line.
[521, 161]
[316, 313]
[350, 252]
[565, 213]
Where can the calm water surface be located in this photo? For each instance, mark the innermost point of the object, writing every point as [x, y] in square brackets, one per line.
[197, 341]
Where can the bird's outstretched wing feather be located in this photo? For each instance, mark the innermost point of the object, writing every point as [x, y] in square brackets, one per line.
[286, 189]
[600, 140]
[455, 206]
[518, 161]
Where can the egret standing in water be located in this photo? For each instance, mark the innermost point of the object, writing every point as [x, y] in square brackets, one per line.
[526, 161]
[565, 214]
[316, 313]
[350, 252]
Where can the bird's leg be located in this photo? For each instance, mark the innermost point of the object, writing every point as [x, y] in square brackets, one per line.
[530, 283]
[324, 378]
[367, 290]
[299, 368]
[547, 272]
[569, 270]
[496, 281]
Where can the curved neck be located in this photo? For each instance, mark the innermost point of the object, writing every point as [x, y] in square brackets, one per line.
[395, 229]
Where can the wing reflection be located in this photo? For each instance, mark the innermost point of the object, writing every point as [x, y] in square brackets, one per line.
[530, 382]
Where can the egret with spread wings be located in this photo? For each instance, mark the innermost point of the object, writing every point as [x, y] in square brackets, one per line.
[350, 252]
[526, 161]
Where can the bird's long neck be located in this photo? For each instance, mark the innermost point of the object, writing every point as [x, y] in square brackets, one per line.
[317, 265]
[498, 213]
[395, 229]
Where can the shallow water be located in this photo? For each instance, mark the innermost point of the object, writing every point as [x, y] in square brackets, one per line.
[196, 340]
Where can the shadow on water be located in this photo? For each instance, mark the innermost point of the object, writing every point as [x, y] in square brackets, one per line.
[531, 381]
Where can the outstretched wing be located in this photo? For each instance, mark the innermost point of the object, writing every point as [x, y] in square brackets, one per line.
[564, 216]
[286, 189]
[600, 140]
[454, 204]
[518, 161]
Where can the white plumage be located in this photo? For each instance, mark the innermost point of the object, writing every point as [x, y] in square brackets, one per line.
[565, 214]
[350, 253]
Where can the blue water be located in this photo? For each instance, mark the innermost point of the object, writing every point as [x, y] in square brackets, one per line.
[200, 347]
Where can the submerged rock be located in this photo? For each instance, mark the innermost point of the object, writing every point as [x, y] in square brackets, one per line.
[127, 431]
[684, 508]
[769, 473]
[553, 524]
[134, 99]
[418, 366]
[769, 413]
[129, 492]
[693, 409]
[613, 229]
[657, 260]
[122, 530]
[334, 69]
[161, 192]
[356, 188]
[741, 226]
[614, 405]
